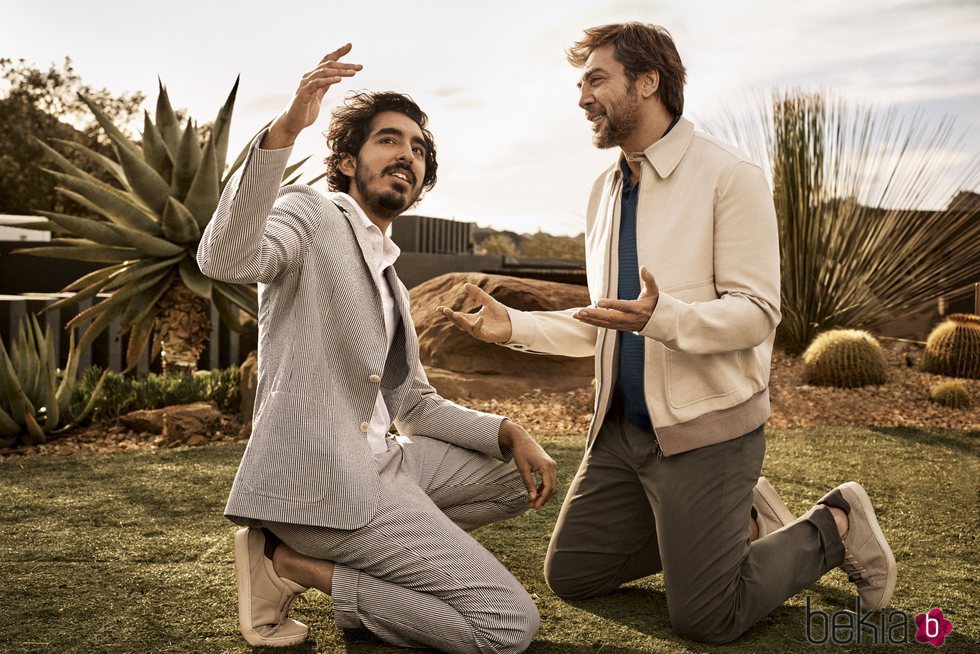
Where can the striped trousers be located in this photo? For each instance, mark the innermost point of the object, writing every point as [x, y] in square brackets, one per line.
[413, 576]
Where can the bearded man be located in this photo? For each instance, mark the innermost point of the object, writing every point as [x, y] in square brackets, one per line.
[328, 497]
[683, 269]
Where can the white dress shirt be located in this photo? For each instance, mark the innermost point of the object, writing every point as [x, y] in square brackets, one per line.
[385, 253]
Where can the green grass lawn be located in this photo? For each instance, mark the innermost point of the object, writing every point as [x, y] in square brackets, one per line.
[129, 552]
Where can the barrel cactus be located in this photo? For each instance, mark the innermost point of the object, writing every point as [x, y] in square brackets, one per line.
[845, 358]
[953, 348]
[953, 394]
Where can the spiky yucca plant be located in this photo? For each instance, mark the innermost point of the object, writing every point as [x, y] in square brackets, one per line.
[34, 393]
[850, 183]
[146, 229]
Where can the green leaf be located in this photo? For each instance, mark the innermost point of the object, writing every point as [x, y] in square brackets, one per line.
[293, 168]
[150, 246]
[107, 164]
[10, 391]
[8, 427]
[68, 376]
[241, 295]
[188, 161]
[35, 225]
[139, 270]
[155, 151]
[59, 159]
[167, 120]
[115, 134]
[36, 435]
[120, 207]
[96, 392]
[93, 230]
[226, 309]
[316, 179]
[179, 224]
[222, 128]
[146, 182]
[194, 279]
[202, 198]
[101, 273]
[139, 336]
[93, 253]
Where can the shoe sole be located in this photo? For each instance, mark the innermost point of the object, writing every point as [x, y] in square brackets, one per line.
[864, 504]
[244, 584]
[766, 493]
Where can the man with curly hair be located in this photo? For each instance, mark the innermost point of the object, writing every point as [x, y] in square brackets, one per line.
[328, 498]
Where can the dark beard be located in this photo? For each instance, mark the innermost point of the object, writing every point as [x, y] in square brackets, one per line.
[387, 204]
[618, 128]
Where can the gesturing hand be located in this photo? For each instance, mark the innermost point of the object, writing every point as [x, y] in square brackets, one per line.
[305, 107]
[625, 315]
[490, 324]
[530, 458]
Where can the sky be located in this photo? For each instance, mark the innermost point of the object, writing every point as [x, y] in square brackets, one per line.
[514, 149]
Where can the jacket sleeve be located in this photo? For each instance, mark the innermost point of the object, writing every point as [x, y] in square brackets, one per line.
[259, 231]
[427, 413]
[746, 271]
[551, 332]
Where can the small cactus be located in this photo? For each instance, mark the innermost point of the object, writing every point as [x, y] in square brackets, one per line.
[953, 394]
[845, 358]
[953, 348]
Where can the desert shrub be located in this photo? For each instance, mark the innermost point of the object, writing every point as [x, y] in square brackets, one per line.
[122, 393]
[953, 394]
[953, 348]
[845, 358]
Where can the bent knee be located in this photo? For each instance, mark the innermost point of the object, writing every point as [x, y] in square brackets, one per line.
[716, 629]
[572, 579]
[519, 625]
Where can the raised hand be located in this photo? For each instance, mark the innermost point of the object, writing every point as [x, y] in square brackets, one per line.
[490, 324]
[625, 315]
[305, 106]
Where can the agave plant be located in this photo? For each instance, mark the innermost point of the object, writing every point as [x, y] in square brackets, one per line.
[859, 245]
[146, 228]
[34, 393]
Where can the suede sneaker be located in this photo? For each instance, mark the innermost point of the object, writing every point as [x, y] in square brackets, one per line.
[264, 598]
[770, 511]
[868, 560]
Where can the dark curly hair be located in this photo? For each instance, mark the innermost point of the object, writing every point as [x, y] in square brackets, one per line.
[349, 129]
[639, 48]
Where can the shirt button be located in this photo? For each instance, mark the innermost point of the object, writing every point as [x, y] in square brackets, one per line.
[365, 426]
[374, 379]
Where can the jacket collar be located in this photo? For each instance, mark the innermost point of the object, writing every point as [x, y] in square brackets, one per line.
[665, 154]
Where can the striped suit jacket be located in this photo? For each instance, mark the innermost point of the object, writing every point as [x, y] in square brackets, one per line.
[322, 352]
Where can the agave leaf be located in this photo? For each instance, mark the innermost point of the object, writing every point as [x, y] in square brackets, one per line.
[194, 279]
[95, 275]
[150, 246]
[241, 296]
[59, 159]
[293, 180]
[188, 161]
[49, 390]
[293, 168]
[179, 224]
[93, 230]
[139, 336]
[107, 164]
[120, 139]
[68, 375]
[149, 310]
[240, 159]
[36, 225]
[222, 128]
[139, 269]
[202, 198]
[118, 206]
[8, 427]
[25, 360]
[98, 325]
[90, 404]
[167, 120]
[89, 291]
[155, 151]
[35, 435]
[147, 184]
[226, 309]
[94, 253]
[114, 302]
[316, 179]
[10, 391]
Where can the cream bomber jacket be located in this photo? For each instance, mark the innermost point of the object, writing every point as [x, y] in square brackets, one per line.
[706, 229]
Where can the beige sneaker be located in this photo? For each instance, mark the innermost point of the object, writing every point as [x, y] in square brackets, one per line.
[868, 560]
[770, 511]
[264, 598]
